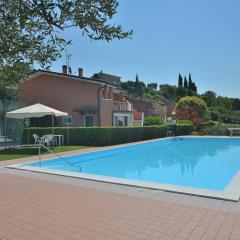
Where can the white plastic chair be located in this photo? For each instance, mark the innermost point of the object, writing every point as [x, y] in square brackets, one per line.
[37, 139]
[49, 140]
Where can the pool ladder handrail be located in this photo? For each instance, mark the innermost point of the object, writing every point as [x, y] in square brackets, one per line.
[171, 133]
[51, 151]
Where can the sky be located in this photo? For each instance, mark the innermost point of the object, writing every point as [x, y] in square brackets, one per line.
[170, 37]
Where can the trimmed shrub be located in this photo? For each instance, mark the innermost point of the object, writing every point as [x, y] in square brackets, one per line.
[194, 102]
[191, 108]
[100, 136]
[188, 113]
[152, 121]
[184, 122]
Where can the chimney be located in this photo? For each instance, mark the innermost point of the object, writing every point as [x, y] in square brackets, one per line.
[80, 72]
[64, 69]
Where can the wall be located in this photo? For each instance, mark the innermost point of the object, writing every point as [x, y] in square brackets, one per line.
[141, 106]
[106, 111]
[60, 92]
[67, 94]
[119, 97]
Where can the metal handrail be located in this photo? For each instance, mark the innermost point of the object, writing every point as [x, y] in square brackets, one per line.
[171, 133]
[51, 151]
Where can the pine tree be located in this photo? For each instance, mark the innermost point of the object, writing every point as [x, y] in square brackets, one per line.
[185, 83]
[180, 80]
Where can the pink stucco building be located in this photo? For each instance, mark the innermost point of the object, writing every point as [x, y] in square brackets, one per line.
[95, 101]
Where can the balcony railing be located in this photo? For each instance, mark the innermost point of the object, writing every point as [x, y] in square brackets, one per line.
[122, 106]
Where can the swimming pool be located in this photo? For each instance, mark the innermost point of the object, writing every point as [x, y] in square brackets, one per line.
[194, 165]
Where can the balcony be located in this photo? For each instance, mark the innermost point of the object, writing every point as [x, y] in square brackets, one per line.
[122, 106]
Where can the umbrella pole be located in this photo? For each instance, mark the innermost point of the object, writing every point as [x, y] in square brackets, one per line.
[5, 131]
[52, 125]
[28, 129]
[53, 129]
[67, 131]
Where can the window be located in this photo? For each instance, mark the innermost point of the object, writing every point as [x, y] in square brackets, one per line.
[67, 120]
[121, 121]
[157, 112]
[89, 121]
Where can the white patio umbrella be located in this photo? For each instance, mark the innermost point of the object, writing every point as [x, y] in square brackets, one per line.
[36, 110]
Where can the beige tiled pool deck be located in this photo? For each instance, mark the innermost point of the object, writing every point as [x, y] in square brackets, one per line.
[43, 206]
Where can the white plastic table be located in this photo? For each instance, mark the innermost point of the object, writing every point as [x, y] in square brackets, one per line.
[60, 139]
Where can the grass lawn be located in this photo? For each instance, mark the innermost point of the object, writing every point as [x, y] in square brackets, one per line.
[21, 152]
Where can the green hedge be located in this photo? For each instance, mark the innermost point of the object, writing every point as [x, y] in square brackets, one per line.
[153, 121]
[182, 129]
[96, 136]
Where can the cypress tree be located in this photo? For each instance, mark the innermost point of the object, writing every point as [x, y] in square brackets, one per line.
[137, 79]
[185, 83]
[190, 82]
[180, 80]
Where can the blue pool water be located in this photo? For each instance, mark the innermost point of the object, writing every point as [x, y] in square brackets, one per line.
[208, 163]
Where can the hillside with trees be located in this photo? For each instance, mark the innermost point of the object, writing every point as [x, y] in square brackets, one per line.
[219, 108]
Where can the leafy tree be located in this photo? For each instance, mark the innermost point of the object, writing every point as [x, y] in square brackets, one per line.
[180, 81]
[209, 97]
[181, 92]
[152, 86]
[8, 75]
[129, 86]
[168, 91]
[31, 29]
[136, 88]
[139, 86]
[236, 104]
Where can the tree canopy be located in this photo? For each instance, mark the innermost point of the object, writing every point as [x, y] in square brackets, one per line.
[164, 91]
[31, 29]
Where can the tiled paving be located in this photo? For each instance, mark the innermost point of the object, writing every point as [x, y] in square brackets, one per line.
[41, 206]
[32, 208]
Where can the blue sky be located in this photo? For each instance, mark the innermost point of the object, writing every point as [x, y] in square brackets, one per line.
[170, 37]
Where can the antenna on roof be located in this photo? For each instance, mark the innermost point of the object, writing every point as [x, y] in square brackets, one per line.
[68, 58]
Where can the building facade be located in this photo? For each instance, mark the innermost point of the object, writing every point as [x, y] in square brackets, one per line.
[149, 107]
[89, 101]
